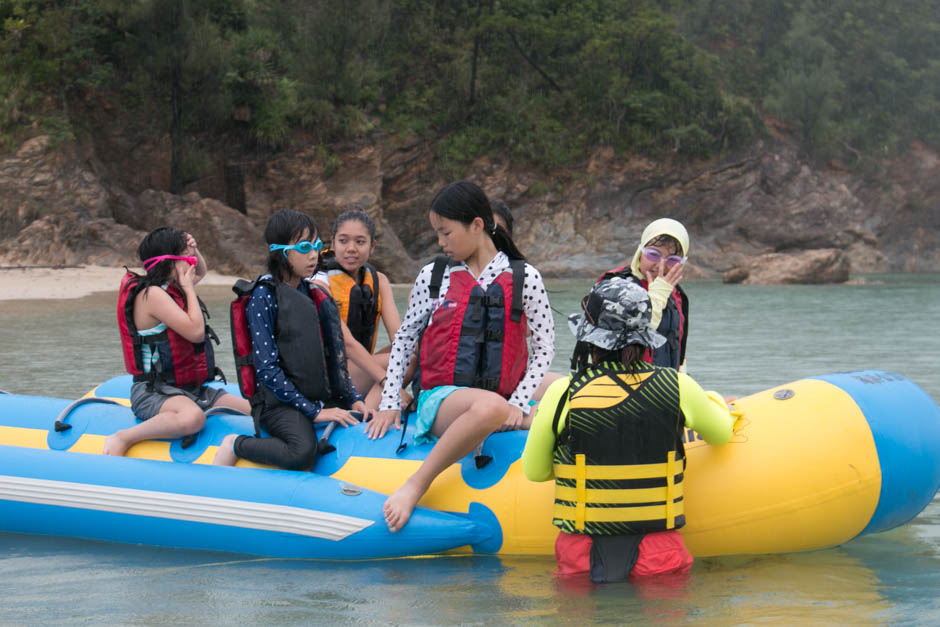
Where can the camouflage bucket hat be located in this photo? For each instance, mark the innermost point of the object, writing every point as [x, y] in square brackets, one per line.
[616, 313]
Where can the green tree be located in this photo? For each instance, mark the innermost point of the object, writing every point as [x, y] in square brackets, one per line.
[175, 56]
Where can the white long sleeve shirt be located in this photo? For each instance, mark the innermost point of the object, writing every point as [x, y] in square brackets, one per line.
[420, 307]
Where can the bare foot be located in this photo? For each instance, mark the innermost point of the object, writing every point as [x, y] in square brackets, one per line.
[225, 456]
[400, 504]
[115, 445]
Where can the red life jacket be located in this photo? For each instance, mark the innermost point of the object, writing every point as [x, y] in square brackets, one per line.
[315, 353]
[475, 337]
[182, 363]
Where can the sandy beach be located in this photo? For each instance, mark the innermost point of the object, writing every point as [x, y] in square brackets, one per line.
[32, 283]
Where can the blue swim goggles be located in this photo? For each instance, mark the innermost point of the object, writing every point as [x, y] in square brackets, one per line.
[303, 247]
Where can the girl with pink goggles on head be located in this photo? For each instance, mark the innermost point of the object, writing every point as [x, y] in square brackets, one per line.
[153, 261]
[167, 344]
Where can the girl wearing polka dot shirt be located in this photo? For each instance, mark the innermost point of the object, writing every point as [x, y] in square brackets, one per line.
[460, 418]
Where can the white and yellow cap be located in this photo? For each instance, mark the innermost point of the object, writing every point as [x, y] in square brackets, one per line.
[662, 226]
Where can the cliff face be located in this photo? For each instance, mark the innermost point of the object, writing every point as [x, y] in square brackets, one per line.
[67, 205]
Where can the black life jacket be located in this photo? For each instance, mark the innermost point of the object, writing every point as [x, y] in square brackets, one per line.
[309, 341]
[619, 462]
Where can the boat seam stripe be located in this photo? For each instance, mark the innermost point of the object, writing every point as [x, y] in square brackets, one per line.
[204, 509]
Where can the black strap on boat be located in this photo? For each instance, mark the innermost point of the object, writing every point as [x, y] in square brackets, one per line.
[60, 424]
[324, 446]
[413, 405]
[479, 458]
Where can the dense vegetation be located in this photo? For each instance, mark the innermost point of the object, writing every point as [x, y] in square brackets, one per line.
[536, 81]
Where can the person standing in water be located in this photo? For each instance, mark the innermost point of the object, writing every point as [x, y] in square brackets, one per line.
[165, 340]
[611, 438]
[472, 312]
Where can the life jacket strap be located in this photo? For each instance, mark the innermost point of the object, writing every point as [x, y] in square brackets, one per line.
[437, 275]
[670, 490]
[619, 472]
[558, 409]
[644, 513]
[580, 490]
[608, 496]
[518, 282]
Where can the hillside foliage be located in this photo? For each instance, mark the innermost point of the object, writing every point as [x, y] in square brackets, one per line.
[539, 82]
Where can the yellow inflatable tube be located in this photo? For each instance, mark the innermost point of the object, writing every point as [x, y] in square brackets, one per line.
[812, 464]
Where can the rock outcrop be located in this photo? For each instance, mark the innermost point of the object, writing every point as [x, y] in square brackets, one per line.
[54, 210]
[60, 205]
[828, 265]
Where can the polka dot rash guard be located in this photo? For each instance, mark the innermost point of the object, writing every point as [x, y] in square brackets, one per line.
[538, 315]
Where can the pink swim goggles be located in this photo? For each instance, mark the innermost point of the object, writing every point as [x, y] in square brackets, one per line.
[150, 263]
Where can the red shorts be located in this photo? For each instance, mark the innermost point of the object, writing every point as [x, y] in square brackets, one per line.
[662, 552]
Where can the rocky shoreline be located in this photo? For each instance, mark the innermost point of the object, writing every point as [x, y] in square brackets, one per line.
[765, 216]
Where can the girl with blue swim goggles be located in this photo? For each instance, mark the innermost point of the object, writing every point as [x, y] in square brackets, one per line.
[303, 247]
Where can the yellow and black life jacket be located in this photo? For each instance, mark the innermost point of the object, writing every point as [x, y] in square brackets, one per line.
[619, 461]
[358, 299]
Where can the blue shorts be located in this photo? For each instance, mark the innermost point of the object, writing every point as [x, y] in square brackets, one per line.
[429, 402]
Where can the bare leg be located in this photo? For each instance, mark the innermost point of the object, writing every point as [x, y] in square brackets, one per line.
[178, 416]
[362, 379]
[464, 420]
[225, 456]
[234, 402]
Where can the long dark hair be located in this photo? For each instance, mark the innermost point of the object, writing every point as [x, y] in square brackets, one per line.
[502, 210]
[464, 201]
[358, 215]
[587, 354]
[283, 227]
[162, 241]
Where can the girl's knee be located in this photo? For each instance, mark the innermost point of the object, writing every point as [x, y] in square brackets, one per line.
[492, 408]
[301, 457]
[191, 420]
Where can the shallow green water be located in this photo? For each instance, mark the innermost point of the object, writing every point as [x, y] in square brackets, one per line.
[743, 339]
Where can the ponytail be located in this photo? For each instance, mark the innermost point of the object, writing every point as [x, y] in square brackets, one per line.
[503, 241]
[464, 201]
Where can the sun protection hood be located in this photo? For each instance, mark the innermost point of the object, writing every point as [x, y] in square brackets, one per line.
[662, 226]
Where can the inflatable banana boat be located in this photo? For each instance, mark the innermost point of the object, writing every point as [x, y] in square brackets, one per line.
[812, 464]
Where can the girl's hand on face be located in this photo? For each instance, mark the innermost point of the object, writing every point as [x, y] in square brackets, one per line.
[656, 271]
[335, 414]
[186, 274]
[190, 243]
[674, 275]
[381, 422]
